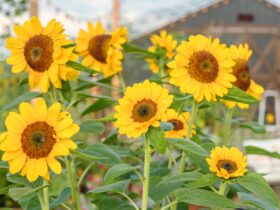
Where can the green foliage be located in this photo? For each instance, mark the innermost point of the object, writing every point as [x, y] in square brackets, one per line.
[253, 150]
[238, 95]
[156, 137]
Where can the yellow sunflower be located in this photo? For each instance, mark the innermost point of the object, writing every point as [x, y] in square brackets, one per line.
[227, 162]
[39, 51]
[270, 118]
[142, 106]
[164, 41]
[35, 137]
[241, 54]
[203, 68]
[100, 50]
[179, 121]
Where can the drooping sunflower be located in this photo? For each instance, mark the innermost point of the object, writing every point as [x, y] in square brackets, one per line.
[100, 50]
[35, 137]
[39, 51]
[179, 121]
[142, 106]
[227, 162]
[164, 41]
[203, 68]
[241, 55]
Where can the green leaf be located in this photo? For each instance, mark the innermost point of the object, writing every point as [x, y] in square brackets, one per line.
[24, 97]
[188, 146]
[17, 193]
[256, 184]
[4, 190]
[251, 200]
[92, 126]
[105, 202]
[203, 181]
[86, 84]
[4, 164]
[156, 137]
[80, 67]
[100, 104]
[66, 91]
[253, 126]
[253, 150]
[62, 197]
[129, 48]
[120, 186]
[118, 170]
[203, 198]
[238, 95]
[17, 179]
[165, 126]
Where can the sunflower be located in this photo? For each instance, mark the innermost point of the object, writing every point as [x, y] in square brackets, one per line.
[179, 122]
[270, 118]
[101, 51]
[39, 51]
[35, 137]
[241, 55]
[142, 106]
[203, 68]
[227, 162]
[164, 41]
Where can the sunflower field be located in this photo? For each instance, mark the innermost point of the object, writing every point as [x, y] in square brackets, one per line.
[75, 137]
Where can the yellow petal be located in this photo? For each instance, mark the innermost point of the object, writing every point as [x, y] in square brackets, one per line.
[54, 165]
[15, 123]
[16, 164]
[31, 169]
[68, 132]
[41, 109]
[53, 114]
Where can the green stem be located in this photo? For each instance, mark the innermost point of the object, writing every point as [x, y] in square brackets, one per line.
[122, 82]
[84, 174]
[228, 127]
[43, 196]
[130, 200]
[146, 174]
[73, 183]
[222, 190]
[170, 205]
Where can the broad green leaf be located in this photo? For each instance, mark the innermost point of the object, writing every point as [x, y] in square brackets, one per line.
[59, 183]
[120, 186]
[253, 126]
[4, 190]
[122, 151]
[86, 84]
[22, 98]
[249, 199]
[108, 118]
[188, 146]
[4, 164]
[253, 150]
[92, 126]
[238, 95]
[17, 179]
[156, 137]
[66, 91]
[86, 155]
[17, 193]
[129, 48]
[106, 202]
[100, 104]
[80, 67]
[256, 184]
[165, 126]
[203, 198]
[62, 197]
[203, 181]
[118, 170]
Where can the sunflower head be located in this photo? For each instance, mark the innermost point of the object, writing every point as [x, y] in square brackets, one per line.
[203, 68]
[227, 162]
[270, 118]
[179, 122]
[39, 51]
[35, 137]
[142, 106]
[100, 50]
[163, 41]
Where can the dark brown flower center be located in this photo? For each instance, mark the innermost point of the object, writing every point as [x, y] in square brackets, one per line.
[177, 124]
[38, 139]
[242, 74]
[228, 165]
[203, 66]
[98, 47]
[38, 52]
[144, 110]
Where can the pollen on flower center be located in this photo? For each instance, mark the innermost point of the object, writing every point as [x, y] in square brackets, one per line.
[144, 110]
[227, 165]
[38, 52]
[38, 139]
[177, 124]
[98, 47]
[203, 66]
[242, 73]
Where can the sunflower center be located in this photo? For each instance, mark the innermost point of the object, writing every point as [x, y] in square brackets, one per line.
[203, 66]
[242, 73]
[98, 47]
[144, 110]
[38, 52]
[177, 124]
[228, 165]
[38, 139]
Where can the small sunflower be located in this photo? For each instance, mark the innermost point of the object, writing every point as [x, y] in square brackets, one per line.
[35, 137]
[39, 51]
[142, 106]
[241, 55]
[164, 41]
[227, 162]
[270, 118]
[203, 68]
[100, 50]
[179, 121]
